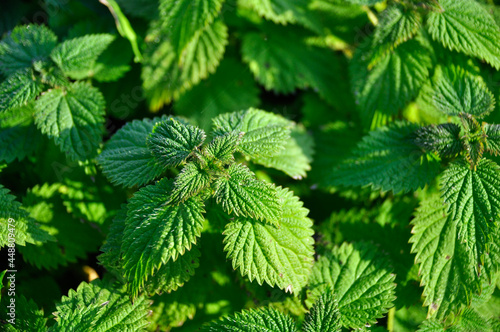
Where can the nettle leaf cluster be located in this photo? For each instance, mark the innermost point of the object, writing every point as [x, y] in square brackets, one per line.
[394, 64]
[45, 88]
[193, 194]
[268, 238]
[455, 231]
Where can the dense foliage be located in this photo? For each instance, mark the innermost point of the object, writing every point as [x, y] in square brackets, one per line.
[250, 165]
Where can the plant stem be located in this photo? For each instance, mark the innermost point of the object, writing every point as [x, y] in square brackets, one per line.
[390, 319]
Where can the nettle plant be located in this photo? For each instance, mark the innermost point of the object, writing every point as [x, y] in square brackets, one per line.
[153, 242]
[152, 245]
[69, 109]
[395, 97]
[455, 231]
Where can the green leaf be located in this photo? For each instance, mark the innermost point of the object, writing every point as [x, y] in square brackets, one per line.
[265, 133]
[111, 249]
[17, 226]
[295, 159]
[183, 19]
[76, 57]
[278, 11]
[388, 84]
[2, 274]
[474, 202]
[492, 132]
[166, 74]
[443, 139]
[465, 26]
[156, 232]
[472, 320]
[18, 89]
[387, 159]
[220, 93]
[254, 320]
[431, 325]
[282, 60]
[240, 193]
[100, 306]
[223, 147]
[361, 280]
[25, 45]
[278, 256]
[19, 136]
[446, 267]
[73, 117]
[126, 160]
[191, 180]
[174, 274]
[90, 199]
[73, 238]
[172, 142]
[458, 91]
[324, 315]
[396, 25]
[27, 316]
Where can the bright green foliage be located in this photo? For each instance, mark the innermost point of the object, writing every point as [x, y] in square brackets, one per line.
[396, 26]
[376, 108]
[25, 45]
[77, 56]
[242, 194]
[465, 26]
[492, 138]
[278, 256]
[460, 92]
[443, 139]
[89, 199]
[361, 279]
[388, 159]
[18, 89]
[182, 20]
[18, 135]
[387, 83]
[172, 142]
[28, 316]
[265, 134]
[473, 196]
[278, 11]
[190, 181]
[156, 233]
[223, 147]
[324, 315]
[73, 116]
[148, 245]
[174, 274]
[72, 238]
[126, 159]
[167, 73]
[295, 158]
[110, 257]
[446, 265]
[100, 306]
[261, 320]
[17, 224]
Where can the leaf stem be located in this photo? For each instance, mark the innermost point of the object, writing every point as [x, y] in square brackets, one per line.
[371, 15]
[390, 319]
